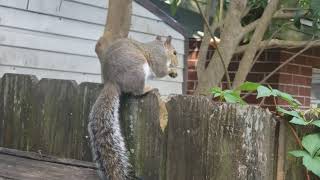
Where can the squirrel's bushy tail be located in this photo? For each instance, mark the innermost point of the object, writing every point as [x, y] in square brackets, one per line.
[107, 143]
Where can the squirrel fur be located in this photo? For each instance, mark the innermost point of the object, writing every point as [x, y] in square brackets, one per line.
[127, 66]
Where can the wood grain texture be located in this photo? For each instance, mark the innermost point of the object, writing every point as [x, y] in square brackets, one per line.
[22, 165]
[146, 141]
[206, 141]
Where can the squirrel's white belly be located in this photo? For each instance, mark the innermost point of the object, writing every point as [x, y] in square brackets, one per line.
[148, 73]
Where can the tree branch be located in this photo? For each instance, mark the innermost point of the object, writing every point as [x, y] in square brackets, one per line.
[250, 27]
[287, 13]
[276, 43]
[308, 45]
[117, 26]
[214, 40]
[253, 47]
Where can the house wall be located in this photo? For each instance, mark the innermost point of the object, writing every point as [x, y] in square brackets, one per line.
[56, 39]
[315, 89]
[295, 78]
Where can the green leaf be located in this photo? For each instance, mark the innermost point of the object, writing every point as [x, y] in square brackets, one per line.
[249, 86]
[216, 90]
[298, 121]
[315, 5]
[312, 164]
[263, 92]
[231, 98]
[216, 94]
[316, 123]
[311, 143]
[285, 96]
[299, 153]
[291, 113]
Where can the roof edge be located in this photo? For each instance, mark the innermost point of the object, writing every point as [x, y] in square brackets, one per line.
[164, 16]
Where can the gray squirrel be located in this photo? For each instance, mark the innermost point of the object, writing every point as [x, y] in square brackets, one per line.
[127, 67]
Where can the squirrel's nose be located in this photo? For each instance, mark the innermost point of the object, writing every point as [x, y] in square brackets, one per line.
[173, 74]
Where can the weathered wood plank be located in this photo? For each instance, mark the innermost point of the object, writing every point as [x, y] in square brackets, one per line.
[187, 137]
[88, 93]
[58, 117]
[146, 141]
[241, 143]
[47, 73]
[207, 141]
[21, 165]
[16, 107]
[47, 158]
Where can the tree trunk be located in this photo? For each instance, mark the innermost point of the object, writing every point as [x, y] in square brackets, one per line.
[117, 26]
[230, 38]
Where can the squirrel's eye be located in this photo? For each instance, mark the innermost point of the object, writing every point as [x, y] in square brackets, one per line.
[175, 52]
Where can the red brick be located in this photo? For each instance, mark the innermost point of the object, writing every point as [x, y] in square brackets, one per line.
[307, 101]
[252, 99]
[300, 99]
[282, 102]
[313, 61]
[303, 91]
[269, 101]
[233, 66]
[231, 76]
[192, 75]
[300, 60]
[284, 56]
[191, 85]
[293, 90]
[273, 55]
[290, 68]
[306, 71]
[299, 80]
[255, 77]
[308, 81]
[273, 85]
[193, 55]
[190, 92]
[274, 78]
[285, 78]
[264, 67]
[192, 64]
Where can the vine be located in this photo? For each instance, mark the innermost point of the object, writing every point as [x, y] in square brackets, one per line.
[310, 144]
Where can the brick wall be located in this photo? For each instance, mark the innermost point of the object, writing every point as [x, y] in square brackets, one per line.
[294, 78]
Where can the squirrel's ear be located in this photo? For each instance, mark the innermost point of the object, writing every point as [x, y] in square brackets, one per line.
[158, 38]
[168, 40]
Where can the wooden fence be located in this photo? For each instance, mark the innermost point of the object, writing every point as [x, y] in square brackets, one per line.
[202, 141]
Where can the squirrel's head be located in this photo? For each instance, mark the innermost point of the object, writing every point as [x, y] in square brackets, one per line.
[171, 53]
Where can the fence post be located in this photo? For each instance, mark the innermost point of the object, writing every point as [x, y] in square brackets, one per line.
[145, 139]
[210, 141]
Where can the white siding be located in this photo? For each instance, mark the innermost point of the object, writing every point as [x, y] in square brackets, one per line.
[56, 39]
